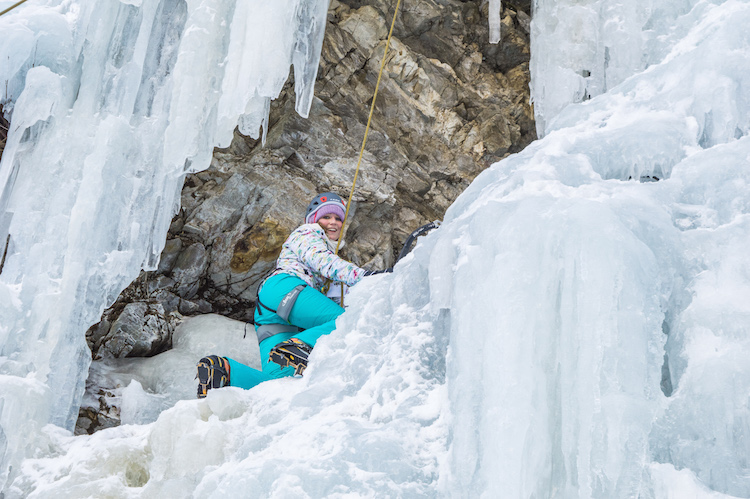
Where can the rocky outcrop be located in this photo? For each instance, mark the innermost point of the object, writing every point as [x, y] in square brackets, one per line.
[449, 105]
[139, 329]
[104, 414]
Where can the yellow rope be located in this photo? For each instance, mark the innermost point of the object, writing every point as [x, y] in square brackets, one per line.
[12, 7]
[364, 139]
[369, 119]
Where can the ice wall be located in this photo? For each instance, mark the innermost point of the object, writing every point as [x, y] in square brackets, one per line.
[581, 49]
[519, 351]
[112, 103]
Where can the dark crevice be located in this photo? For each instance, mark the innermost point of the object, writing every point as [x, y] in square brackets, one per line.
[4, 253]
[4, 128]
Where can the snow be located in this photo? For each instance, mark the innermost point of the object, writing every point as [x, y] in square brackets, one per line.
[144, 388]
[573, 329]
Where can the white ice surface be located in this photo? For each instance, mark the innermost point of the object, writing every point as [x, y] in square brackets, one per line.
[143, 388]
[519, 351]
[581, 49]
[495, 11]
[112, 104]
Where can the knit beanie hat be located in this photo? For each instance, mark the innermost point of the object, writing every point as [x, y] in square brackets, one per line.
[325, 204]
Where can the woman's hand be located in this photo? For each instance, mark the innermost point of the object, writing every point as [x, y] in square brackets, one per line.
[373, 272]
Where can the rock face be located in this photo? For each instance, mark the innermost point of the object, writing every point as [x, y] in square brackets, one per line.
[449, 105]
[140, 329]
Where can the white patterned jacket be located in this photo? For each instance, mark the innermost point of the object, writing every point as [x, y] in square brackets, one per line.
[306, 254]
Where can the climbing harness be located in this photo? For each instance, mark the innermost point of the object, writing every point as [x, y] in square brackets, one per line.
[285, 308]
[286, 304]
[12, 7]
[265, 331]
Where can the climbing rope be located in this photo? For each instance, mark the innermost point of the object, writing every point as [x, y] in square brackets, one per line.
[12, 7]
[369, 119]
[364, 139]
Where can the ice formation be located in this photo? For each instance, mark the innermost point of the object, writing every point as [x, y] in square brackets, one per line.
[495, 9]
[574, 329]
[584, 49]
[112, 104]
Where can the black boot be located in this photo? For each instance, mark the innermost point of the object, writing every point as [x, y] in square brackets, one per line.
[291, 352]
[213, 372]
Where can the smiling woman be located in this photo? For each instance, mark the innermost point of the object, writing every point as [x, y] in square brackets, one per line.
[329, 211]
[332, 225]
[291, 311]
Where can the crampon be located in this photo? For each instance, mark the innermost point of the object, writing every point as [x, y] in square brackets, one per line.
[213, 372]
[291, 352]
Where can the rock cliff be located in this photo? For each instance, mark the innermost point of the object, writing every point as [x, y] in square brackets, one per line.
[449, 105]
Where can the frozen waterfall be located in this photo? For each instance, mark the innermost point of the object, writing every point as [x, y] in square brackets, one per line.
[574, 329]
[113, 103]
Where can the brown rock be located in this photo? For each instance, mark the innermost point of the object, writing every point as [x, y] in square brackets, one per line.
[449, 105]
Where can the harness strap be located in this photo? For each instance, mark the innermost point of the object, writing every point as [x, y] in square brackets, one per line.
[286, 304]
[265, 331]
[259, 305]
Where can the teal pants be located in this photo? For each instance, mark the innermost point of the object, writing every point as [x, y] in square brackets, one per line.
[313, 312]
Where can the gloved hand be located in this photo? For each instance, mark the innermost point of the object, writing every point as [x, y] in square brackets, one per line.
[373, 272]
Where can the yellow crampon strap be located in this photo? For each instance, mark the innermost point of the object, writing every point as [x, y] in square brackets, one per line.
[367, 130]
[12, 7]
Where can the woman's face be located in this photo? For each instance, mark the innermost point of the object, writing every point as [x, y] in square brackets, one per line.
[332, 225]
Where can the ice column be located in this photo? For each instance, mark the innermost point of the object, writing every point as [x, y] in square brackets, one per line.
[554, 366]
[112, 104]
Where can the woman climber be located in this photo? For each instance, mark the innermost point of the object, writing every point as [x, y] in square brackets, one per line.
[291, 312]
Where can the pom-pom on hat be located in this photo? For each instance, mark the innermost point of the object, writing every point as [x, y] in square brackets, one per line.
[325, 204]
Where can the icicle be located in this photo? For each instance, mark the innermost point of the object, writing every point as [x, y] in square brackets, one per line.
[113, 102]
[496, 7]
